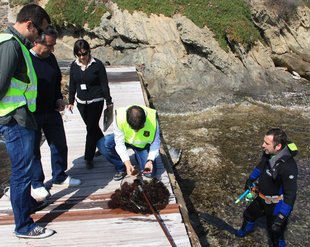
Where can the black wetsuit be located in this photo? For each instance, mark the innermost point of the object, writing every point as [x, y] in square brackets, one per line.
[277, 175]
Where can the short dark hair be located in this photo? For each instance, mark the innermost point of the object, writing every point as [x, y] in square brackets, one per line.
[136, 117]
[34, 13]
[49, 31]
[80, 44]
[279, 136]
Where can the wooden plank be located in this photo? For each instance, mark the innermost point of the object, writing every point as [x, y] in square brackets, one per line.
[80, 215]
[133, 231]
[74, 211]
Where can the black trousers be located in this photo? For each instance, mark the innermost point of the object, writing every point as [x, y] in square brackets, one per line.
[91, 114]
[259, 208]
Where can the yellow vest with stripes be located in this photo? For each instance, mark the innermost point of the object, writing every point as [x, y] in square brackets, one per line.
[19, 92]
[144, 136]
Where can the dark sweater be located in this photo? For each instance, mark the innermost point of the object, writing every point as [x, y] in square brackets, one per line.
[95, 78]
[49, 82]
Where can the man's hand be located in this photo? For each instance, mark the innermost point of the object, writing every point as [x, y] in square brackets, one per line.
[129, 167]
[148, 168]
[60, 105]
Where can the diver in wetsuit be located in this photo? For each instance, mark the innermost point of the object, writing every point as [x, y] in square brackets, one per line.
[277, 186]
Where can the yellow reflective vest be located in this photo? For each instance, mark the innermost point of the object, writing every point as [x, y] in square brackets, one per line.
[19, 92]
[144, 136]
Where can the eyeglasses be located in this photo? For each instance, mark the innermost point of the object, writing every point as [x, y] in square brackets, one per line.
[83, 54]
[40, 31]
[49, 46]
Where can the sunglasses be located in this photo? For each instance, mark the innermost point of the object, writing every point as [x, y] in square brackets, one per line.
[83, 54]
[40, 31]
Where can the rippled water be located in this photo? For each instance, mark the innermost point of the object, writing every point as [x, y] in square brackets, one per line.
[220, 148]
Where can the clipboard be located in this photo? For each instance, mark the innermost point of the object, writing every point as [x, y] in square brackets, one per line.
[107, 117]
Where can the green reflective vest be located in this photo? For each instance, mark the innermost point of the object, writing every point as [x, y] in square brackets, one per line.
[19, 92]
[142, 137]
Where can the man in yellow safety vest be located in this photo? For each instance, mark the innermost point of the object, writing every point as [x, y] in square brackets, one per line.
[135, 127]
[18, 91]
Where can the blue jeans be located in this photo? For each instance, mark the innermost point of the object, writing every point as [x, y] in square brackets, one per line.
[106, 146]
[52, 125]
[19, 143]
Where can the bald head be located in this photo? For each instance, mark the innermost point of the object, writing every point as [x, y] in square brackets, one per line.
[136, 117]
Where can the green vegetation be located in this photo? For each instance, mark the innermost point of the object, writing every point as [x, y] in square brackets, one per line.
[228, 19]
[75, 12]
[225, 18]
[165, 7]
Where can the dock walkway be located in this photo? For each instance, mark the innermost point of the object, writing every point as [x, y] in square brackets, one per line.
[80, 216]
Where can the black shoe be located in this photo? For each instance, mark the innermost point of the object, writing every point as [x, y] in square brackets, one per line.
[89, 164]
[119, 176]
[97, 153]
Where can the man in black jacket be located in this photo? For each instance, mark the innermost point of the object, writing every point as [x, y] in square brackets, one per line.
[49, 103]
[277, 173]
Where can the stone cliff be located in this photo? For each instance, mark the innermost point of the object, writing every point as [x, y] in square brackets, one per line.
[184, 68]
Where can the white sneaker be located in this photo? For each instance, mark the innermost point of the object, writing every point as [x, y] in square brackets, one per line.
[40, 193]
[69, 182]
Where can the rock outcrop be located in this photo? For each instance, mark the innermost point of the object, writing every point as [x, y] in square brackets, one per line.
[184, 68]
[182, 61]
[288, 41]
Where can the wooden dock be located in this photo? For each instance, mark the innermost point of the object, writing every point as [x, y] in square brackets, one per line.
[80, 216]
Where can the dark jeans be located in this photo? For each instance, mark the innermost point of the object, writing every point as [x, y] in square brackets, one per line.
[106, 147]
[19, 143]
[52, 126]
[91, 114]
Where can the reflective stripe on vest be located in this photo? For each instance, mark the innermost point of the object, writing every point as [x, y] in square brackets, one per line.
[142, 137]
[19, 92]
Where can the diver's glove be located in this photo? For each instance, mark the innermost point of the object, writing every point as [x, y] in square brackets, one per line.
[278, 223]
[248, 184]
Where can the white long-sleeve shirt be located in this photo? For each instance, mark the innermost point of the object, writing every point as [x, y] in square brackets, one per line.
[121, 148]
